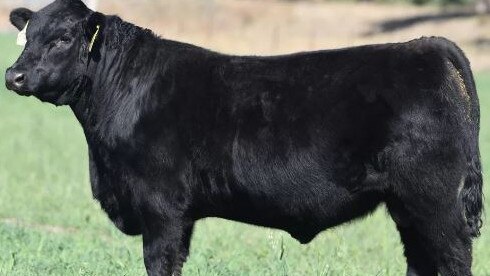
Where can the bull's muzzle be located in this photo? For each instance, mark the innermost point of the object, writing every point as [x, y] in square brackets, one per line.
[15, 80]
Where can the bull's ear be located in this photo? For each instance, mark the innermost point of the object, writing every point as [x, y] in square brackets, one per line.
[19, 17]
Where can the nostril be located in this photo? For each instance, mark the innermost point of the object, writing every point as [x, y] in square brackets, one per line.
[19, 79]
[15, 79]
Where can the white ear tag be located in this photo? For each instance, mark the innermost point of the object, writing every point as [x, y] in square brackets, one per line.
[22, 37]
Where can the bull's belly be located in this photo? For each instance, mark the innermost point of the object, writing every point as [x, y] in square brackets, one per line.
[301, 215]
[302, 192]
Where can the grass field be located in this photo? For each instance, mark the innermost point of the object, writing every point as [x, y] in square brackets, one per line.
[50, 225]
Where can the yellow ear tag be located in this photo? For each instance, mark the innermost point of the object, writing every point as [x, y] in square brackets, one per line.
[22, 36]
[92, 41]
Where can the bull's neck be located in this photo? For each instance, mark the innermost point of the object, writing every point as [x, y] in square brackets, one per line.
[116, 79]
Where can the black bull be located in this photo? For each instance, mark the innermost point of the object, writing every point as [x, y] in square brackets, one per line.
[300, 142]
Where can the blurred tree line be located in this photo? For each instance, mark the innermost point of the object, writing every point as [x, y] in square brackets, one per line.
[479, 6]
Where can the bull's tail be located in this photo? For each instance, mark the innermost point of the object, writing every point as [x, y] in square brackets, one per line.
[471, 195]
[471, 192]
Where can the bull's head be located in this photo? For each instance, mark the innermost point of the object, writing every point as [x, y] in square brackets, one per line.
[59, 41]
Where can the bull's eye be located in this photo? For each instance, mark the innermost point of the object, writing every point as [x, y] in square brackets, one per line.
[64, 40]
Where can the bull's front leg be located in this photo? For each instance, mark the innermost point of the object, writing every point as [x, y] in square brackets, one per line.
[164, 245]
[166, 231]
[184, 248]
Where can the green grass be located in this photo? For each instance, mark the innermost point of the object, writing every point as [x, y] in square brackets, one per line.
[50, 225]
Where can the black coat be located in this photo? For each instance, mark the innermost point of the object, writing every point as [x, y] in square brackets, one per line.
[299, 142]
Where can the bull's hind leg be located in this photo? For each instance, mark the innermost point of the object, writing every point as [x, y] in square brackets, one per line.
[439, 241]
[448, 238]
[419, 260]
[430, 218]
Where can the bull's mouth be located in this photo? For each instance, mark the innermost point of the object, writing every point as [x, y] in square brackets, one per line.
[21, 92]
[55, 95]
